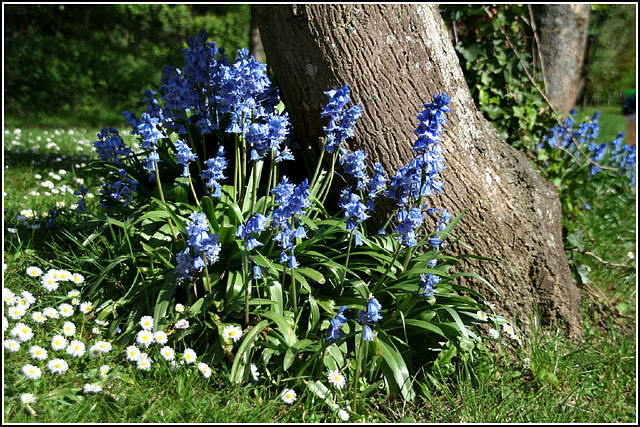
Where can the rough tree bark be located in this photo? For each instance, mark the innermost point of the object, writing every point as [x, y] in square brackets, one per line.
[395, 58]
[563, 30]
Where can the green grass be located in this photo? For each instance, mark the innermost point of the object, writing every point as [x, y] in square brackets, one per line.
[590, 381]
[611, 120]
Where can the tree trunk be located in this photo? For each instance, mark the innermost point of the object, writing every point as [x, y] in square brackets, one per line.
[563, 32]
[395, 58]
[255, 43]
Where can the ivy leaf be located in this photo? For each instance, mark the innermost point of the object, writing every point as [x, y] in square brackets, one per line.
[575, 239]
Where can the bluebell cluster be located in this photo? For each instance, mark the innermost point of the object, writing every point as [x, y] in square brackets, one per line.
[184, 156]
[290, 202]
[585, 136]
[121, 190]
[353, 164]
[215, 172]
[421, 176]
[253, 227]
[201, 246]
[336, 325]
[110, 146]
[428, 282]
[369, 318]
[341, 120]
[354, 210]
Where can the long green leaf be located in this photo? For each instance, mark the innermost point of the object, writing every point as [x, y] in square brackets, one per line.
[393, 360]
[236, 373]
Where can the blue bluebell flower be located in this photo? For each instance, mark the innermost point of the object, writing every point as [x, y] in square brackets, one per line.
[341, 121]
[369, 318]
[201, 246]
[184, 156]
[408, 224]
[429, 281]
[110, 146]
[336, 325]
[215, 173]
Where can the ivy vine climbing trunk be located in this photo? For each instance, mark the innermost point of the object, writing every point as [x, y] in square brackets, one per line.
[394, 58]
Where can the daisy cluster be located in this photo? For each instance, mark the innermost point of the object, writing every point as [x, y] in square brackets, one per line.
[507, 329]
[56, 191]
[53, 339]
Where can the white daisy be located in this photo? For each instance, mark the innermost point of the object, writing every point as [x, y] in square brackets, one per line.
[38, 317]
[58, 342]
[182, 324]
[104, 370]
[92, 388]
[28, 297]
[507, 328]
[22, 332]
[168, 353]
[482, 316]
[133, 353]
[288, 396]
[32, 372]
[144, 338]
[86, 307]
[204, 369]
[34, 272]
[95, 330]
[64, 274]
[494, 334]
[104, 346]
[160, 337]
[233, 332]
[189, 356]
[65, 310]
[58, 366]
[68, 329]
[336, 379]
[16, 312]
[7, 296]
[94, 351]
[27, 398]
[254, 372]
[180, 308]
[49, 282]
[50, 313]
[76, 348]
[146, 323]
[343, 415]
[144, 363]
[74, 293]
[12, 345]
[38, 353]
[101, 322]
[77, 278]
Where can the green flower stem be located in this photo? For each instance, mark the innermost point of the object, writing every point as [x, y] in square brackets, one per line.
[193, 191]
[164, 204]
[204, 149]
[243, 167]
[315, 175]
[358, 362]
[236, 172]
[192, 144]
[346, 263]
[294, 294]
[207, 285]
[245, 274]
[324, 192]
[268, 195]
[384, 276]
[255, 186]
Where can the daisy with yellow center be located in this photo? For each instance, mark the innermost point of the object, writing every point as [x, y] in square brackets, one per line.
[337, 379]
[288, 396]
[232, 332]
[86, 307]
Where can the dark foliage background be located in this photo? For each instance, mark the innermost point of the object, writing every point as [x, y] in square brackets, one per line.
[89, 62]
